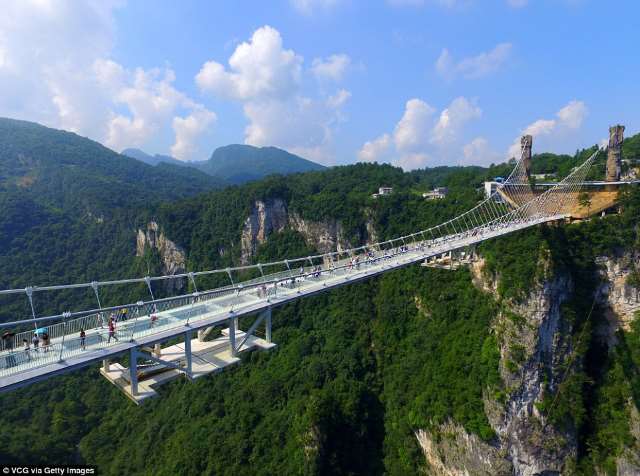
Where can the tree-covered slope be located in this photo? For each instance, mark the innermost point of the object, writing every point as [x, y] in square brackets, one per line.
[64, 170]
[238, 163]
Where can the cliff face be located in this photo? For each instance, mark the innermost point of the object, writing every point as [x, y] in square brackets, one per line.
[264, 219]
[172, 256]
[454, 452]
[535, 345]
[620, 298]
[531, 336]
[270, 216]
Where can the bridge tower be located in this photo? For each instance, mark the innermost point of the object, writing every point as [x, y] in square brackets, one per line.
[614, 153]
[526, 143]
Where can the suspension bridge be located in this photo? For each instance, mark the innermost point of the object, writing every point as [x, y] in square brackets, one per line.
[72, 340]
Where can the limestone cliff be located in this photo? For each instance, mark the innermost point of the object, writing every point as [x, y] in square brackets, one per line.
[172, 256]
[621, 298]
[530, 334]
[535, 345]
[270, 216]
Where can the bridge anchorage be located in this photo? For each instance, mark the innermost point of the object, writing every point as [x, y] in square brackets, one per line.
[202, 330]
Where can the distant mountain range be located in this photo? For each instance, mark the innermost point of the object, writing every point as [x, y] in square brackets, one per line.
[237, 163]
[63, 170]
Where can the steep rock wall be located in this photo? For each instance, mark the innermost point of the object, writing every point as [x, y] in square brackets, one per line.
[530, 334]
[273, 215]
[172, 256]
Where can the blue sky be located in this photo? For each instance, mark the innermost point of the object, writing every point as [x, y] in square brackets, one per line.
[412, 82]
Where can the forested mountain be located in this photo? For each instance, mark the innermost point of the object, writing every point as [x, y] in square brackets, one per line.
[152, 159]
[237, 163]
[63, 170]
[421, 370]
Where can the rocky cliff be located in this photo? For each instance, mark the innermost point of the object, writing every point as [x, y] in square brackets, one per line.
[535, 339]
[171, 255]
[273, 215]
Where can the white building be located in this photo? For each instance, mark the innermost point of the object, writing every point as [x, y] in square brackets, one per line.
[437, 193]
[383, 191]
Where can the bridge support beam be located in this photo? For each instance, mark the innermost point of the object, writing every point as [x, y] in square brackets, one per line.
[133, 371]
[187, 353]
[233, 327]
[106, 365]
[267, 324]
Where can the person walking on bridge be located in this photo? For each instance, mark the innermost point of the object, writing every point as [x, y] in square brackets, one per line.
[35, 341]
[27, 348]
[112, 330]
[83, 337]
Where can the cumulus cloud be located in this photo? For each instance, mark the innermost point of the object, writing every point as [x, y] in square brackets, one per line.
[453, 118]
[188, 129]
[473, 67]
[420, 135]
[569, 118]
[48, 75]
[332, 68]
[374, 150]
[479, 152]
[259, 68]
[411, 131]
[266, 79]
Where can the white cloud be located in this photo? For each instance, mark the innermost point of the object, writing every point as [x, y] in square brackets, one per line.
[413, 161]
[266, 79]
[188, 129]
[419, 138]
[568, 118]
[479, 152]
[412, 129]
[307, 7]
[473, 67]
[573, 114]
[452, 119]
[55, 69]
[258, 69]
[333, 68]
[338, 99]
[375, 150]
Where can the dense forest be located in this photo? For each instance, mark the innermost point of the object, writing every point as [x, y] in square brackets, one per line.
[357, 370]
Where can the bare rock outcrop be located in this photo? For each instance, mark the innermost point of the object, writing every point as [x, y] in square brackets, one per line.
[172, 256]
[272, 216]
[454, 452]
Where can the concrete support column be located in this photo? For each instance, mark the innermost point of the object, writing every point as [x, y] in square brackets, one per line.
[187, 351]
[106, 365]
[133, 371]
[267, 325]
[157, 350]
[201, 335]
[233, 326]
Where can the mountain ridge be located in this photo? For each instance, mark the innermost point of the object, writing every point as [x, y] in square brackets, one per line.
[237, 163]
